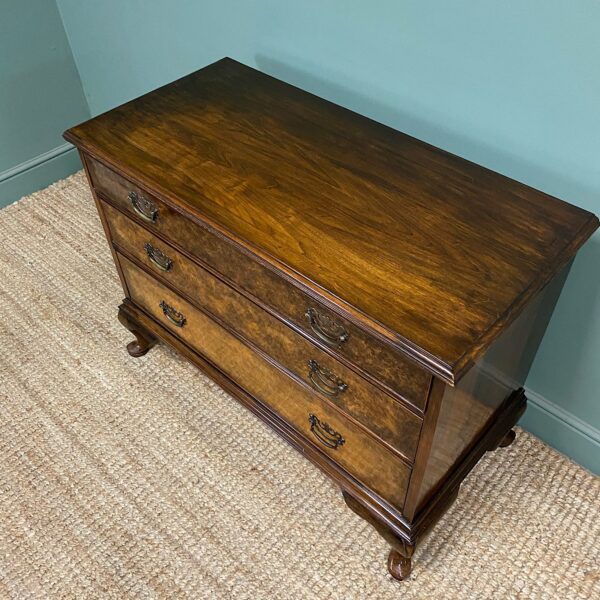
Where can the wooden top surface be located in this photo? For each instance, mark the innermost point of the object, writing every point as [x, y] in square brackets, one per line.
[433, 252]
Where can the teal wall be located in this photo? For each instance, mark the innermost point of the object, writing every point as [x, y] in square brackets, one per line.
[511, 85]
[40, 95]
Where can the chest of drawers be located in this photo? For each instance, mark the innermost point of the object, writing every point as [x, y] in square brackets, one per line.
[377, 301]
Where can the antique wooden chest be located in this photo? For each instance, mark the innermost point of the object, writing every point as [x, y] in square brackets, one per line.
[377, 301]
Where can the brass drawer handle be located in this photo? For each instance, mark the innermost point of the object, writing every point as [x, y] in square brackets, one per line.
[324, 433]
[326, 329]
[144, 207]
[158, 258]
[173, 315]
[324, 380]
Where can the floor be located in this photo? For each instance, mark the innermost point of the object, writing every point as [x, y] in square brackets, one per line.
[139, 478]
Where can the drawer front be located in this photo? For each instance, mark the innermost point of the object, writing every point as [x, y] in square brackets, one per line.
[317, 321]
[369, 405]
[346, 443]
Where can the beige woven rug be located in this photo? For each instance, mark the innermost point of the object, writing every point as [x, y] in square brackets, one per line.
[139, 478]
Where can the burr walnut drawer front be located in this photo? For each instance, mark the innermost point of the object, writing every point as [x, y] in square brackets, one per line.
[375, 409]
[341, 439]
[386, 365]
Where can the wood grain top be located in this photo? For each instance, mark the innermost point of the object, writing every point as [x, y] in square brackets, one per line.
[434, 253]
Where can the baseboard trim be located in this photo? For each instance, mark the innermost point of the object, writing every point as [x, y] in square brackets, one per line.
[562, 430]
[35, 161]
[565, 417]
[38, 172]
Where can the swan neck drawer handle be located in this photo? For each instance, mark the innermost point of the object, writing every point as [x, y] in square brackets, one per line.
[324, 433]
[328, 330]
[158, 258]
[144, 207]
[324, 380]
[173, 315]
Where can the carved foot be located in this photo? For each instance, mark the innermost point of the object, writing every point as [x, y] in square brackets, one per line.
[399, 566]
[508, 439]
[399, 559]
[140, 345]
[144, 340]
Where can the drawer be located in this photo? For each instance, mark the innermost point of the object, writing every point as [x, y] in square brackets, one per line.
[321, 324]
[376, 410]
[335, 435]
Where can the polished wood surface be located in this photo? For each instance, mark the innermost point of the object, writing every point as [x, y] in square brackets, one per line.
[385, 416]
[389, 368]
[263, 380]
[376, 301]
[434, 252]
[468, 409]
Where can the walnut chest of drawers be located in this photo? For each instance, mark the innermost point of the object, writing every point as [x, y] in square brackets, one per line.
[377, 301]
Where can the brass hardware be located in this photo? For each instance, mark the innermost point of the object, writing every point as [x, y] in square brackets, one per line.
[158, 258]
[144, 207]
[324, 433]
[324, 380]
[326, 329]
[173, 315]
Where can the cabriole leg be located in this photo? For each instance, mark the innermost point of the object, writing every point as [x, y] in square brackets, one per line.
[144, 340]
[399, 559]
[508, 439]
[399, 566]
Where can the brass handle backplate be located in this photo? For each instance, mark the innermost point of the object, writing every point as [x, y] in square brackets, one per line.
[158, 258]
[326, 329]
[173, 315]
[144, 207]
[324, 380]
[324, 433]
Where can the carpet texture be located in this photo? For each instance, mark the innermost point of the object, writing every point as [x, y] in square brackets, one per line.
[140, 478]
